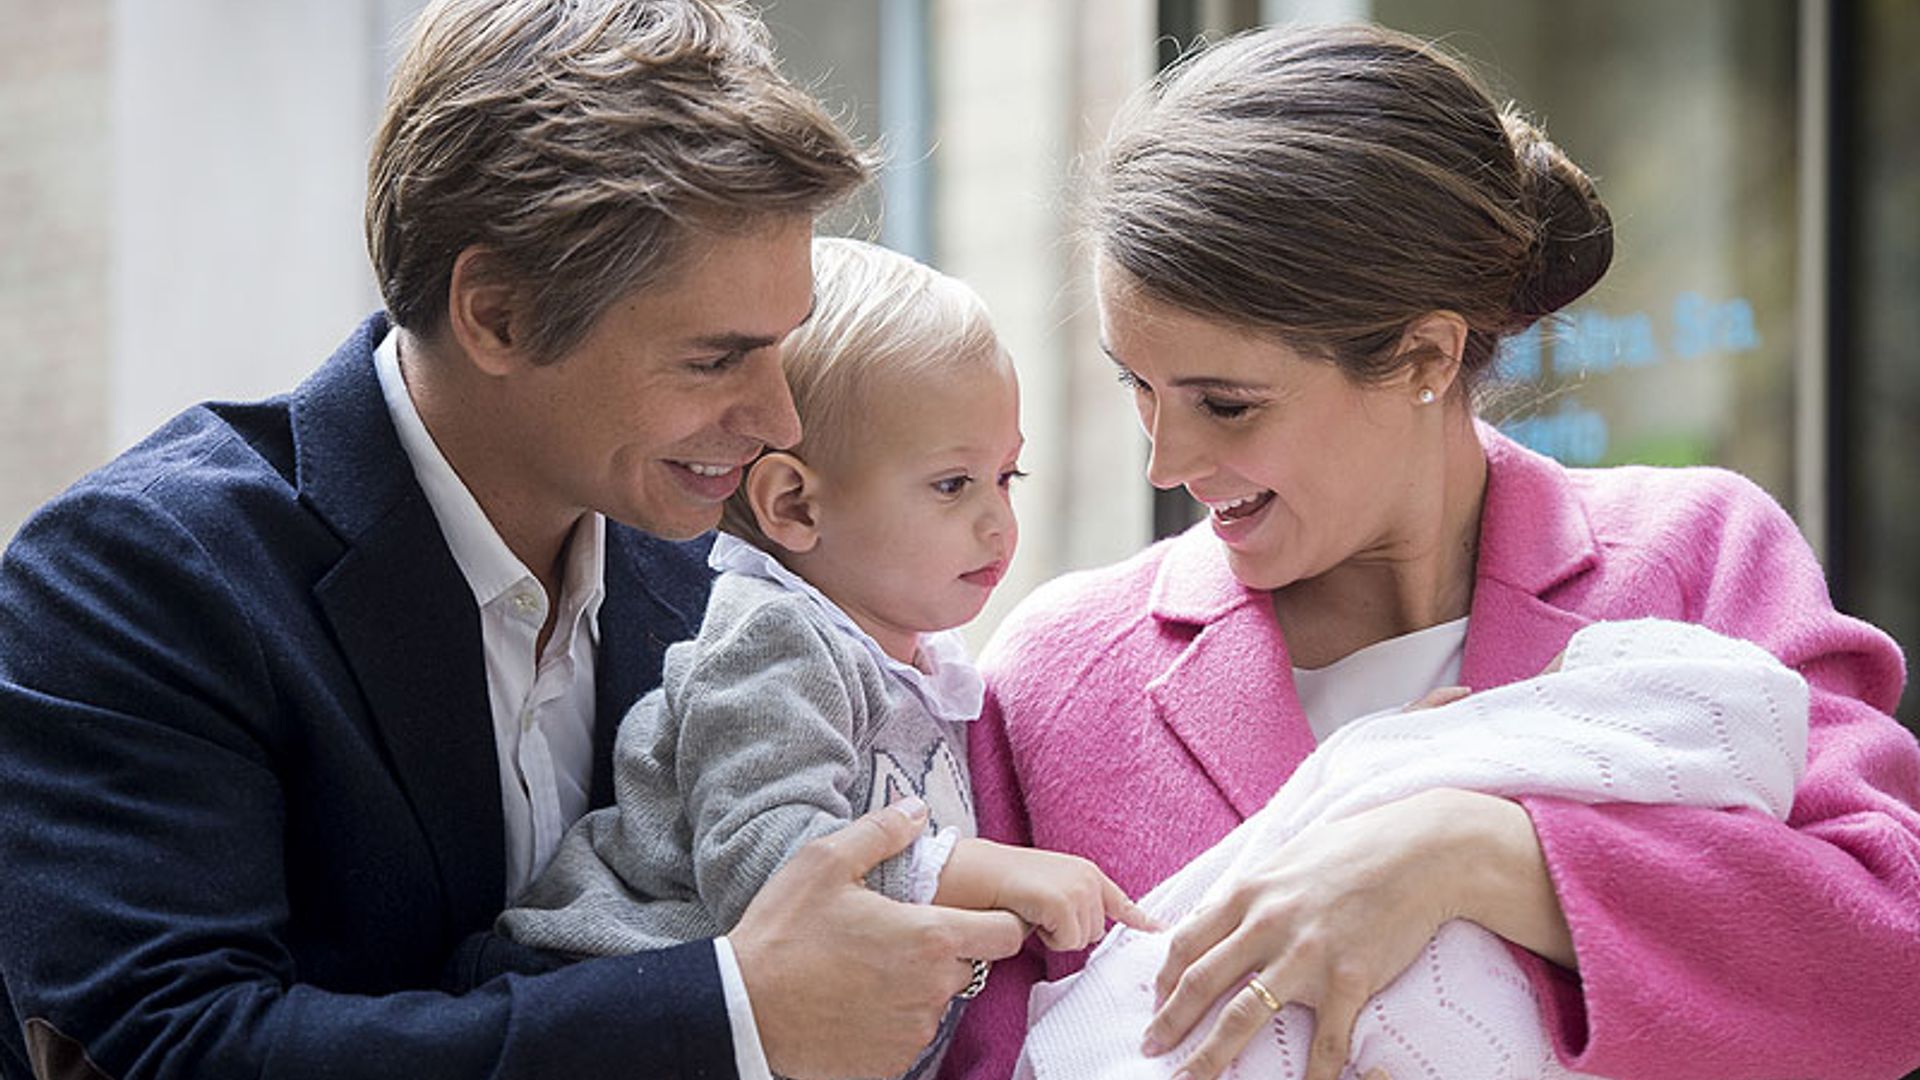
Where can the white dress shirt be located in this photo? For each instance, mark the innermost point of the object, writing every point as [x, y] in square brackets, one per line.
[542, 702]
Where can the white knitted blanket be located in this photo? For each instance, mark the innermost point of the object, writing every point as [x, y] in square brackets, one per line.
[1641, 712]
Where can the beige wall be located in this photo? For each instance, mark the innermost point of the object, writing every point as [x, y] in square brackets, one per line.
[1023, 92]
[180, 191]
[55, 200]
[183, 186]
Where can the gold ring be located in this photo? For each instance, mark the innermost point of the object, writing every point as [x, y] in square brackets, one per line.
[1265, 995]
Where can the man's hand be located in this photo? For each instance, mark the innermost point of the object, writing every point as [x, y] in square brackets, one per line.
[845, 982]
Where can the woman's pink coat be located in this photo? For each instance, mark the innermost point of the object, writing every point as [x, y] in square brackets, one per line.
[1137, 713]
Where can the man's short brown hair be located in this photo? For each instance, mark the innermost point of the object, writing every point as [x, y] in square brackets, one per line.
[579, 143]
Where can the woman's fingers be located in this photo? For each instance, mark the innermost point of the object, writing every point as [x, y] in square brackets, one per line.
[1204, 981]
[1240, 1019]
[1333, 1033]
[1252, 1008]
[1199, 932]
[1438, 696]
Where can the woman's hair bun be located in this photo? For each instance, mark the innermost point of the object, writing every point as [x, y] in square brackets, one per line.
[1574, 241]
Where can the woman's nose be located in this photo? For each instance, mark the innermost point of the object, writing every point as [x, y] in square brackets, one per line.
[1171, 455]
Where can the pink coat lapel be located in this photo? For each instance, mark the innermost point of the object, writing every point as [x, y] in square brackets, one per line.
[1228, 697]
[1534, 536]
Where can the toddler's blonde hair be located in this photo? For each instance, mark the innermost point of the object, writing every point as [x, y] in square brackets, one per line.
[879, 318]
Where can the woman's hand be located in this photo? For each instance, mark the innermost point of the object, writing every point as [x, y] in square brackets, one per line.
[1344, 908]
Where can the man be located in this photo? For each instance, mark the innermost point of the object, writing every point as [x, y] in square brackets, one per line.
[295, 695]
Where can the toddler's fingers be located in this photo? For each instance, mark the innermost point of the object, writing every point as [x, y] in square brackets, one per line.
[1125, 912]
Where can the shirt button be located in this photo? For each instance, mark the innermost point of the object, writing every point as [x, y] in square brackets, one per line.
[526, 720]
[526, 603]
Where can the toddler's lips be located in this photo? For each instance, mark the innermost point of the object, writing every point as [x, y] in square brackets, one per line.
[987, 576]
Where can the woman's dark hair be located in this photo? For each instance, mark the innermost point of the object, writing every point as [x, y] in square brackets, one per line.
[1330, 185]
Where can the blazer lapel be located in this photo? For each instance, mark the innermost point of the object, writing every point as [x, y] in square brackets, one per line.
[405, 620]
[656, 591]
[621, 663]
[1229, 696]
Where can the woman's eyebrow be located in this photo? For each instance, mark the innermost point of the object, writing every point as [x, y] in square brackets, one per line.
[1188, 382]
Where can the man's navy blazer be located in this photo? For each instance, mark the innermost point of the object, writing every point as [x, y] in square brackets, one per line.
[249, 804]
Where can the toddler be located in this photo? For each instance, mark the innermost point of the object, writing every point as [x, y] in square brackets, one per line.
[827, 679]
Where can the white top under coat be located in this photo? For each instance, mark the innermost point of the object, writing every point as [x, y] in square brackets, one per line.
[1385, 675]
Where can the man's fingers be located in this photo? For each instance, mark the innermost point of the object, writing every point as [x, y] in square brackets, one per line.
[982, 935]
[874, 837]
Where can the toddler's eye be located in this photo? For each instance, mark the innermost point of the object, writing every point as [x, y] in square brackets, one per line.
[952, 485]
[1007, 478]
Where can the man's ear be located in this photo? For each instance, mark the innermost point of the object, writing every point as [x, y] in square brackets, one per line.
[1433, 345]
[483, 313]
[780, 488]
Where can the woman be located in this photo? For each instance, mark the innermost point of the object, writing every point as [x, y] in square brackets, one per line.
[1309, 245]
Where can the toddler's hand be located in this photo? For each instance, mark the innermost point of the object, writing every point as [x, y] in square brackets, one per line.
[1065, 898]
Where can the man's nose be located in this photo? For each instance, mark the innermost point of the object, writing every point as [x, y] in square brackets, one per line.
[765, 411]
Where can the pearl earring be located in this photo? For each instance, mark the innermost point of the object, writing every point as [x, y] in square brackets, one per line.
[1426, 395]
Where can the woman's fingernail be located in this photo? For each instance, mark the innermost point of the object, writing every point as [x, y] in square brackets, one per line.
[1152, 1048]
[913, 808]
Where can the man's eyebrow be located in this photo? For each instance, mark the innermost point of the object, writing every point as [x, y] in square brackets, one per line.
[735, 342]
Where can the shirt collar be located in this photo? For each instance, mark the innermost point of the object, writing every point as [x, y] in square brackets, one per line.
[950, 687]
[490, 567]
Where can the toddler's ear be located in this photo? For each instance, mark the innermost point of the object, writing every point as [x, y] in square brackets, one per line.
[780, 490]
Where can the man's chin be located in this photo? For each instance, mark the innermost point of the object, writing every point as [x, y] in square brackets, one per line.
[685, 525]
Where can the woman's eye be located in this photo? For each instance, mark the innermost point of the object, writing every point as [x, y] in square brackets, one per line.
[952, 485]
[1007, 478]
[1224, 410]
[1132, 382]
